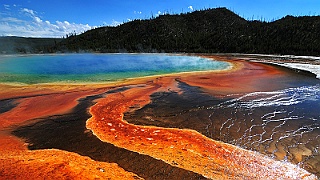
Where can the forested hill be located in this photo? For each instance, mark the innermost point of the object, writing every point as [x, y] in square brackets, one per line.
[208, 31]
[22, 45]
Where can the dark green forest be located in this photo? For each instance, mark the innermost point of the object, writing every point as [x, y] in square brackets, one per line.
[216, 30]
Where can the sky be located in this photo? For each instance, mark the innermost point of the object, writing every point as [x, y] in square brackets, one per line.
[56, 18]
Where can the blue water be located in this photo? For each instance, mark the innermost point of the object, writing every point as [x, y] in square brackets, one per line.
[98, 67]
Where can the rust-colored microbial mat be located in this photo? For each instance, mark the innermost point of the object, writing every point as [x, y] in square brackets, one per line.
[144, 128]
[183, 148]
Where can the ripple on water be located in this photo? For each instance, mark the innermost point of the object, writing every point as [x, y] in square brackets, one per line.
[283, 124]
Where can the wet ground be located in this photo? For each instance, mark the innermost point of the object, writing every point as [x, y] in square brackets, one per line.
[285, 129]
[68, 132]
[280, 120]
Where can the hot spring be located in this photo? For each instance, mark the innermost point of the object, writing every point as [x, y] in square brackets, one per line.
[75, 68]
[259, 107]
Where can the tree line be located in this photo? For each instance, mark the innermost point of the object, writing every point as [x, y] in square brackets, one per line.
[216, 30]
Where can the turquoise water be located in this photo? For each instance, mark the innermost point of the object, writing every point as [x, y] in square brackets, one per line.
[97, 67]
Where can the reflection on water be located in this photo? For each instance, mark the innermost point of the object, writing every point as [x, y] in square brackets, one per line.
[282, 124]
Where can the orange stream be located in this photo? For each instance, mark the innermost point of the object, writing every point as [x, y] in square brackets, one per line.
[186, 149]
[183, 148]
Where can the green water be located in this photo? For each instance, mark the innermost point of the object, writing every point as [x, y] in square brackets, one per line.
[75, 68]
